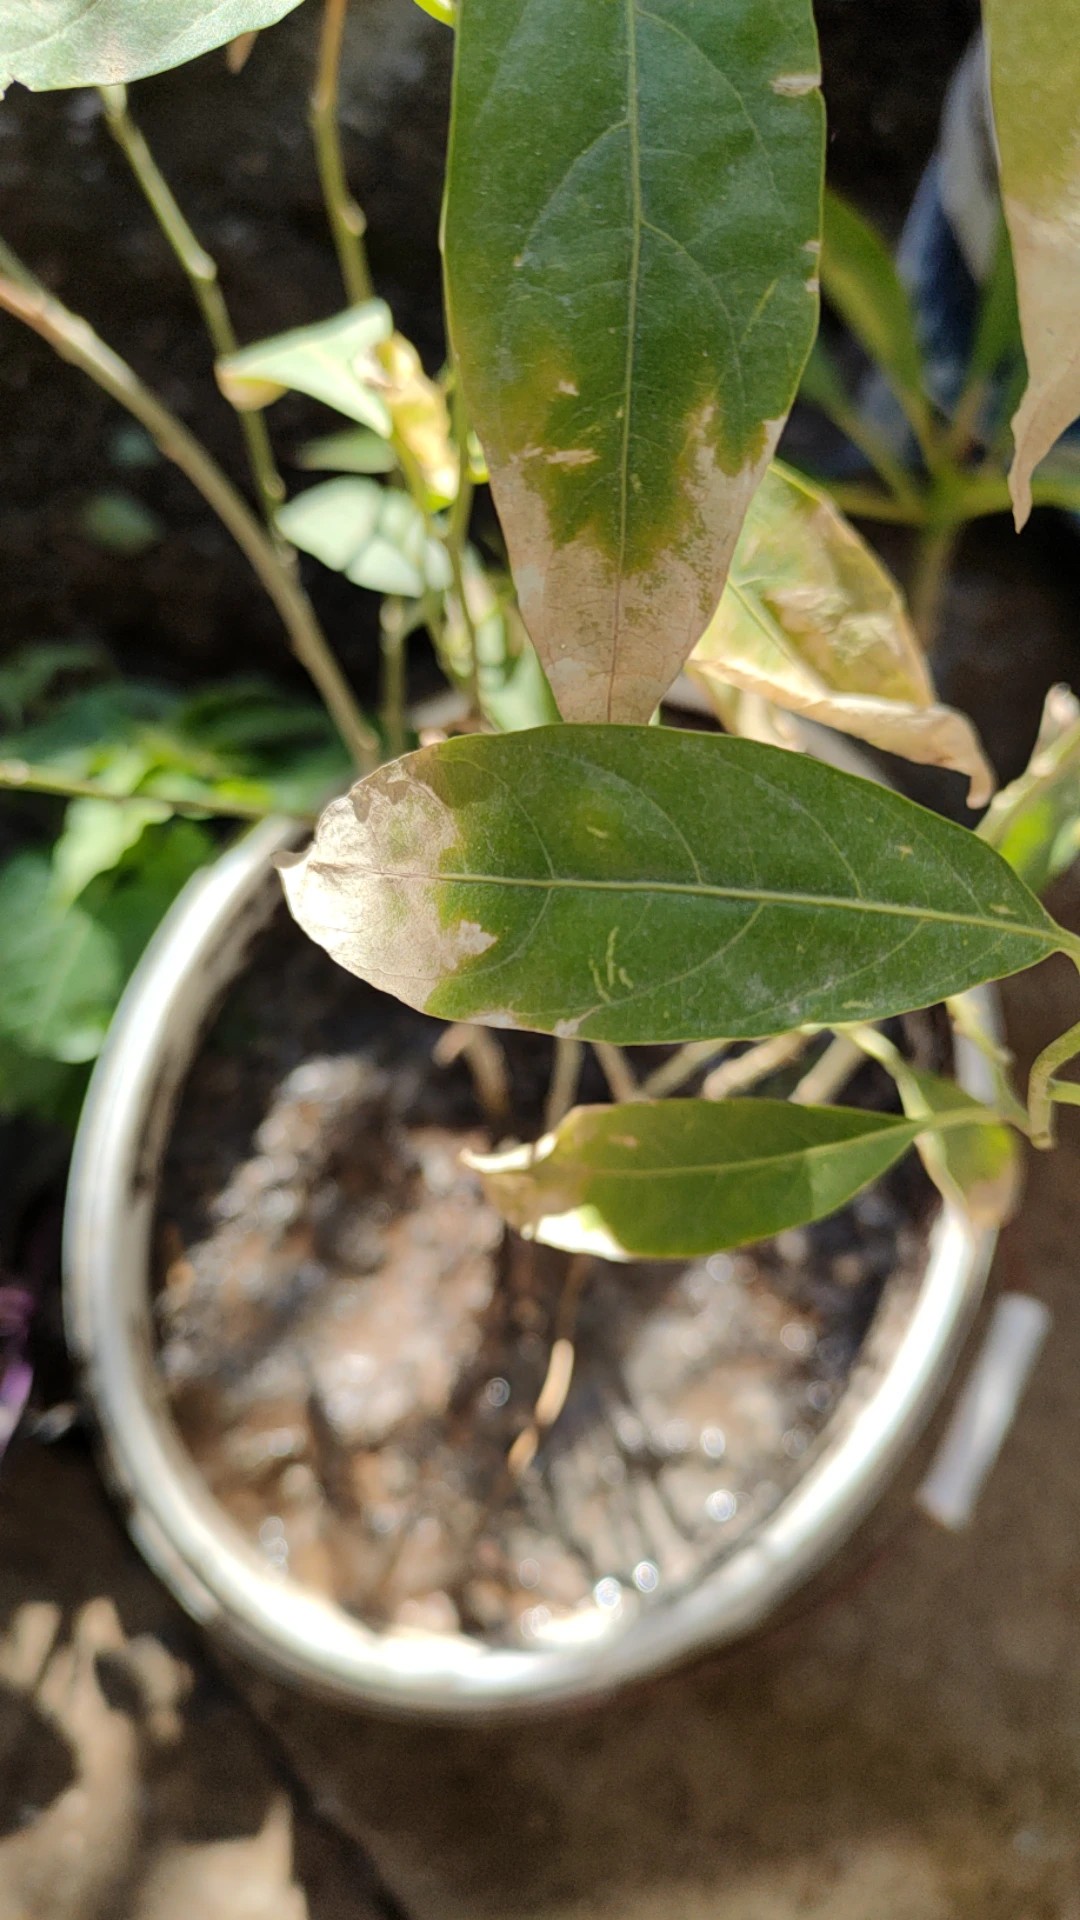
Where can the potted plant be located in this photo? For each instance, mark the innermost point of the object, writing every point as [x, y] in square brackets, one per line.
[631, 235]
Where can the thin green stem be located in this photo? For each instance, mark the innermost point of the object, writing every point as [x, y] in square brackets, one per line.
[393, 634]
[75, 341]
[563, 1085]
[868, 503]
[19, 777]
[347, 223]
[932, 555]
[1041, 1086]
[202, 274]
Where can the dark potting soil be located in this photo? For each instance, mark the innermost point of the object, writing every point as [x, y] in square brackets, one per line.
[352, 1344]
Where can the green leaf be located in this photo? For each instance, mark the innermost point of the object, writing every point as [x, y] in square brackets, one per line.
[1034, 822]
[95, 837]
[333, 361]
[59, 971]
[32, 671]
[631, 232]
[1035, 84]
[128, 905]
[120, 523]
[375, 537]
[673, 1179]
[979, 1166]
[356, 450]
[811, 621]
[29, 1084]
[859, 279]
[67, 43]
[641, 884]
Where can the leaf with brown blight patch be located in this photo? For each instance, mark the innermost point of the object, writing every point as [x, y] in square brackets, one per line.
[629, 338]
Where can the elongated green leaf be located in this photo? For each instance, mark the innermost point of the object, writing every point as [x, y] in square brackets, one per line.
[1035, 85]
[68, 43]
[860, 280]
[671, 1179]
[1034, 822]
[811, 621]
[642, 884]
[375, 537]
[631, 234]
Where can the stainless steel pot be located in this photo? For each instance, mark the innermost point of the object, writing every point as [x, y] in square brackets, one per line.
[200, 1553]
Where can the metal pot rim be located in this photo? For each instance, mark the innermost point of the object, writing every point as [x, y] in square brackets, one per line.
[200, 1553]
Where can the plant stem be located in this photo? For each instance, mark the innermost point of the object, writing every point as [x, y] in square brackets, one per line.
[676, 1071]
[347, 223]
[735, 1076]
[823, 1081]
[1042, 1089]
[617, 1071]
[18, 776]
[75, 340]
[563, 1085]
[202, 273]
[869, 503]
[932, 556]
[393, 636]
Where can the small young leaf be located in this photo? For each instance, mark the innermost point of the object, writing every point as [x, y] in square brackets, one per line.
[632, 225]
[859, 279]
[513, 691]
[1034, 822]
[639, 884]
[333, 361]
[811, 621]
[673, 1179]
[1035, 84]
[375, 537]
[67, 43]
[355, 450]
[356, 363]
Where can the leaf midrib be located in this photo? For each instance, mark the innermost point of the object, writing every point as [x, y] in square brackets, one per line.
[700, 889]
[714, 1168]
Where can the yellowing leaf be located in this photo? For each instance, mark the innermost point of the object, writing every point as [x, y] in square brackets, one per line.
[811, 622]
[1035, 821]
[419, 418]
[1034, 53]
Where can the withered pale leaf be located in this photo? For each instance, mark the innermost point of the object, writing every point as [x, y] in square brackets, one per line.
[1034, 52]
[811, 622]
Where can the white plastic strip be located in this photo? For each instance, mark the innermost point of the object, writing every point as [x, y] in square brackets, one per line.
[985, 1410]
